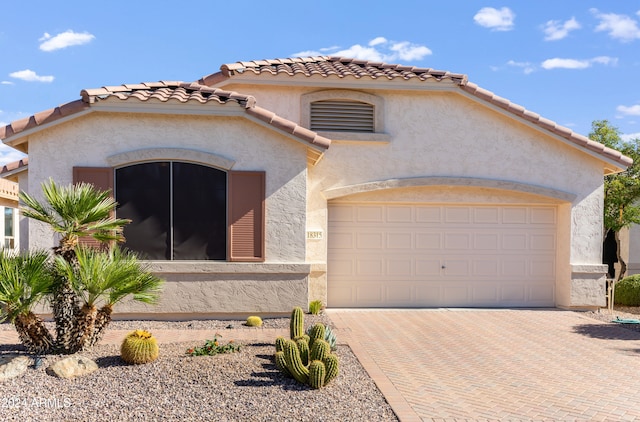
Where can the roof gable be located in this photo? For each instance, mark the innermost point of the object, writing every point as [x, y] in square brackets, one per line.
[340, 68]
[164, 92]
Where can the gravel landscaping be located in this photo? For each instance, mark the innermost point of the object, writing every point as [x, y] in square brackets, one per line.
[243, 386]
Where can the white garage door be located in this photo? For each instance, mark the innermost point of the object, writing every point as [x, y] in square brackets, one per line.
[409, 255]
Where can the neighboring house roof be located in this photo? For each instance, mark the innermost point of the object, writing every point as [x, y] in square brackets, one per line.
[325, 67]
[8, 193]
[10, 171]
[164, 92]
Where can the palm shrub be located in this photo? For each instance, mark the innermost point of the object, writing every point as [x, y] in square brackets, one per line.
[73, 212]
[84, 283]
[25, 280]
[100, 279]
[627, 291]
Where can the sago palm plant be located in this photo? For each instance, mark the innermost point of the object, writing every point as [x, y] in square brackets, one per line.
[73, 212]
[101, 279]
[25, 280]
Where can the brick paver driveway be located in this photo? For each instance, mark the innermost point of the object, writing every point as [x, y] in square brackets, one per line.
[497, 364]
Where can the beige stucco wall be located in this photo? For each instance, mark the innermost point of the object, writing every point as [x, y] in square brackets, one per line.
[431, 134]
[444, 134]
[90, 141]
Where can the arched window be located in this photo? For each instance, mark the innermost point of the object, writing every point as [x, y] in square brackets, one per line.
[178, 210]
[183, 210]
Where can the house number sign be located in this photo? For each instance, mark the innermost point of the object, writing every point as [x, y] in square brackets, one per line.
[314, 235]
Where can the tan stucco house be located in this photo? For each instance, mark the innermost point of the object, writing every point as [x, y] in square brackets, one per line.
[9, 215]
[272, 183]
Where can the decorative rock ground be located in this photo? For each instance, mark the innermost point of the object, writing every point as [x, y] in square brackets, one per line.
[72, 366]
[12, 366]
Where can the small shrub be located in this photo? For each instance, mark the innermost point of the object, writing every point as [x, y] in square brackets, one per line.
[139, 347]
[627, 291]
[213, 347]
[254, 321]
[315, 307]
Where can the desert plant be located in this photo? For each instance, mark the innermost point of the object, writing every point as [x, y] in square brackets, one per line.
[100, 279]
[25, 280]
[73, 211]
[315, 307]
[254, 321]
[329, 336]
[79, 277]
[139, 347]
[306, 357]
[627, 291]
[296, 323]
[213, 347]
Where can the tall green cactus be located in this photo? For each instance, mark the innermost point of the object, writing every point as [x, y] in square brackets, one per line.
[294, 363]
[331, 366]
[303, 348]
[317, 374]
[306, 357]
[316, 333]
[296, 324]
[280, 343]
[320, 350]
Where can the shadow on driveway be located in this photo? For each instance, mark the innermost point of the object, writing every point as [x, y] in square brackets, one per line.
[607, 331]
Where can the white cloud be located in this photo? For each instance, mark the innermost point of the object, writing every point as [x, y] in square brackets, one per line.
[64, 40]
[633, 110]
[6, 83]
[557, 63]
[8, 154]
[630, 136]
[621, 27]
[556, 30]
[497, 20]
[525, 66]
[30, 76]
[378, 49]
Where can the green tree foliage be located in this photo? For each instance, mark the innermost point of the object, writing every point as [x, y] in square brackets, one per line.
[621, 190]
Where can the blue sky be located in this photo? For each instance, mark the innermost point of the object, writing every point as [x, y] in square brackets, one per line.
[572, 61]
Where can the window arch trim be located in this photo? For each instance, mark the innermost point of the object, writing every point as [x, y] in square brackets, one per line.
[170, 154]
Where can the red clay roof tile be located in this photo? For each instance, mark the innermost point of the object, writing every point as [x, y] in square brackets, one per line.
[165, 91]
[320, 66]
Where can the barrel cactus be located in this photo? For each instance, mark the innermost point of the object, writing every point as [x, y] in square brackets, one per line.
[254, 321]
[139, 347]
[306, 357]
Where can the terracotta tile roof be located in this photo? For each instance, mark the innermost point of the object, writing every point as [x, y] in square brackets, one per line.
[327, 66]
[339, 67]
[166, 91]
[321, 66]
[13, 166]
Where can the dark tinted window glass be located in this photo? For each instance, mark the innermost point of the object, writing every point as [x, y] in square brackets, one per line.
[190, 226]
[144, 197]
[199, 212]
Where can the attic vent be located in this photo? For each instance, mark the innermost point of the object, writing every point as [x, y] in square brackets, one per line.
[342, 116]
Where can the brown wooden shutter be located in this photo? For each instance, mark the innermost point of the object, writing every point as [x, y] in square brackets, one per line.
[101, 178]
[246, 215]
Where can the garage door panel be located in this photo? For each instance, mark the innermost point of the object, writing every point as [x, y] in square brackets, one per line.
[489, 215]
[422, 255]
[457, 215]
[428, 241]
[400, 241]
[460, 241]
[399, 268]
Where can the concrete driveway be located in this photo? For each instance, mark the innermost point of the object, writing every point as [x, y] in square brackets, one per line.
[497, 364]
